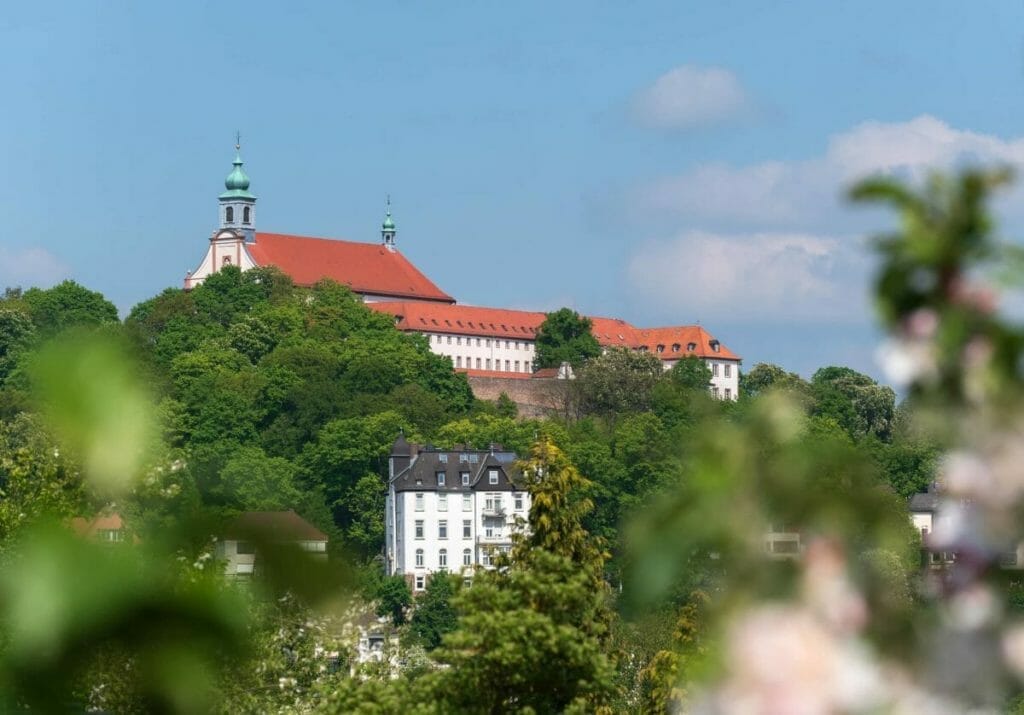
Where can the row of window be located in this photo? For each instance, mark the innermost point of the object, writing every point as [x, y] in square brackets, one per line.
[726, 369]
[481, 342]
[489, 504]
[492, 476]
[229, 215]
[420, 579]
[442, 529]
[676, 347]
[485, 364]
[442, 558]
[727, 392]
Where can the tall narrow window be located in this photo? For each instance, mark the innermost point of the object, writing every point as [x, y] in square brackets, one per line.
[419, 557]
[442, 558]
[229, 214]
[727, 369]
[467, 528]
[442, 502]
[467, 502]
[419, 501]
[419, 528]
[467, 557]
[245, 215]
[442, 529]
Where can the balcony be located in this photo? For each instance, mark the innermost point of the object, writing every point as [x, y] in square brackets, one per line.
[497, 512]
[494, 539]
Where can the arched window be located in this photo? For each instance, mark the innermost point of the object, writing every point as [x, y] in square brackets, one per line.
[229, 214]
[226, 261]
[467, 557]
[442, 558]
[245, 215]
[419, 557]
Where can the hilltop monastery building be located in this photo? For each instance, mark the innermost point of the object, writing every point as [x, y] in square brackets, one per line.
[483, 342]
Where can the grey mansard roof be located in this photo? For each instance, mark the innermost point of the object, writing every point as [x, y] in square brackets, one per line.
[925, 501]
[421, 474]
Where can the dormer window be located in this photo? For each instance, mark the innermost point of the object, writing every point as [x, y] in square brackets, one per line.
[440, 479]
[660, 348]
[715, 345]
[675, 347]
[690, 347]
[492, 476]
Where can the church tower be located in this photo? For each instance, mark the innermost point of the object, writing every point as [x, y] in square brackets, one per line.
[237, 205]
[387, 229]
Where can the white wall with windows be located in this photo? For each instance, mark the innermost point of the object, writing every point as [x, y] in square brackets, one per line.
[429, 531]
[471, 352]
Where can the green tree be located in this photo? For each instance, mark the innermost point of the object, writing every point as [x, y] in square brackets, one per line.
[505, 407]
[253, 481]
[691, 372]
[531, 635]
[764, 376]
[393, 598]
[565, 336]
[37, 480]
[67, 305]
[619, 381]
[434, 614]
[855, 401]
[365, 502]
[17, 333]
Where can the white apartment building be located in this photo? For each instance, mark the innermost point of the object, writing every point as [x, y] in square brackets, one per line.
[450, 510]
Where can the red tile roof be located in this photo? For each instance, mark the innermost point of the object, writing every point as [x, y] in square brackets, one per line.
[682, 336]
[675, 341]
[363, 267]
[463, 319]
[88, 527]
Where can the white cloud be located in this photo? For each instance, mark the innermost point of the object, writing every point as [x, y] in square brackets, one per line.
[28, 267]
[741, 276]
[760, 240]
[809, 193]
[688, 97]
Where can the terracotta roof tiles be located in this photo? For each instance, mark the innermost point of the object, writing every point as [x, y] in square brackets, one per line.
[363, 267]
[675, 341]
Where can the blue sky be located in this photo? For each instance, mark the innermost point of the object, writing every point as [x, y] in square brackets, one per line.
[664, 162]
